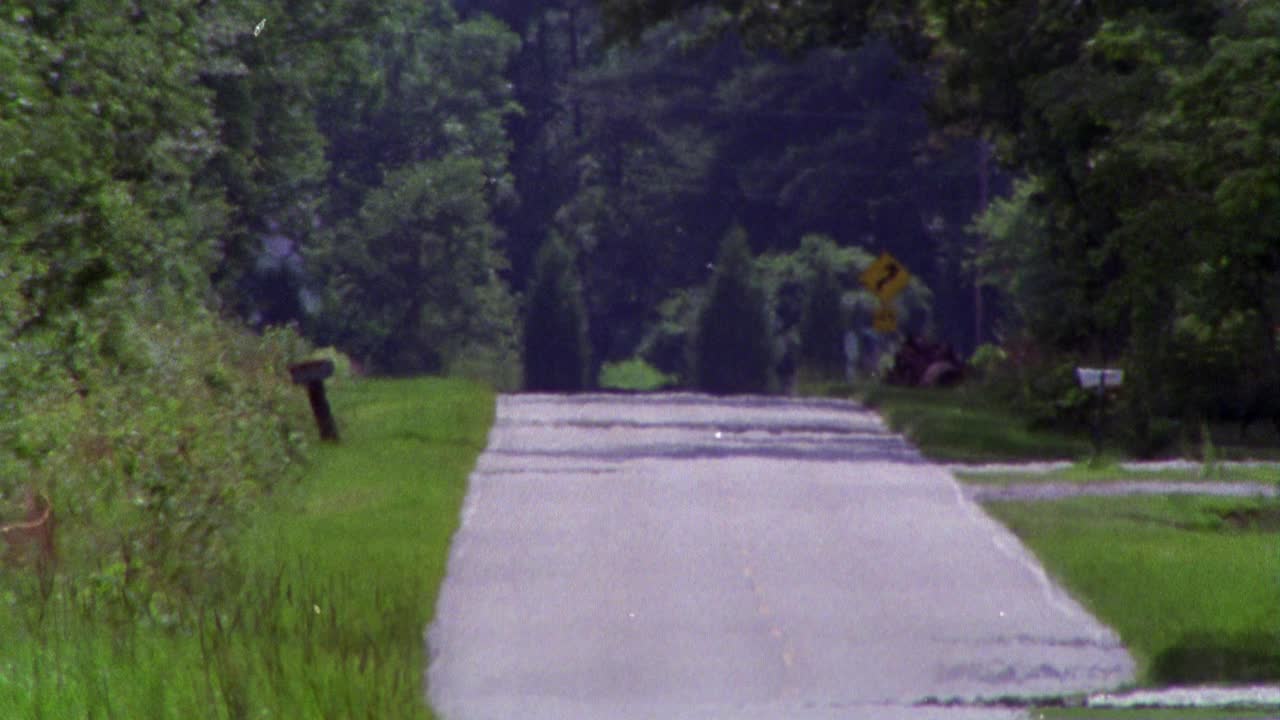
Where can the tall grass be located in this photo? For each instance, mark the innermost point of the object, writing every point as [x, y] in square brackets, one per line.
[322, 611]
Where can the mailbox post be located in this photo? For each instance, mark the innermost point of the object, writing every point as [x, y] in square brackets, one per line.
[312, 374]
[1101, 380]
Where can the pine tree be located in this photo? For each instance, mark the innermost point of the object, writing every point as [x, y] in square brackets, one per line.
[556, 353]
[822, 326]
[732, 347]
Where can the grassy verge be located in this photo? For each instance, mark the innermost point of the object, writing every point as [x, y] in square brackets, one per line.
[963, 424]
[959, 425]
[1086, 473]
[324, 615]
[1191, 583]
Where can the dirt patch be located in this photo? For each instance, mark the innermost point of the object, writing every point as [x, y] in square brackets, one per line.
[1259, 519]
[1210, 658]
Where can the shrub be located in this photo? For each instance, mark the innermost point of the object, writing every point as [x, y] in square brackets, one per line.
[667, 344]
[733, 346]
[822, 326]
[153, 436]
[987, 360]
[556, 353]
[344, 368]
[633, 374]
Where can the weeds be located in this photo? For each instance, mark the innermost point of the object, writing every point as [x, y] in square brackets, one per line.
[314, 608]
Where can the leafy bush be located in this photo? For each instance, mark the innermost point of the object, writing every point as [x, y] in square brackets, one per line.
[988, 359]
[153, 436]
[667, 344]
[1054, 398]
[633, 374]
[344, 368]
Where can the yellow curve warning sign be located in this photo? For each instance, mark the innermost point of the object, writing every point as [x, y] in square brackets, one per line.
[885, 278]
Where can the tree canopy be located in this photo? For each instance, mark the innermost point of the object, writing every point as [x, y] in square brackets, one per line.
[1096, 179]
[1143, 227]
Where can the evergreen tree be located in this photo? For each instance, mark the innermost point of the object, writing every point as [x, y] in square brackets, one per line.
[822, 326]
[556, 353]
[733, 347]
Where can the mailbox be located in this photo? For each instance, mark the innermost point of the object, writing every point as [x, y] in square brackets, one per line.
[1100, 380]
[313, 373]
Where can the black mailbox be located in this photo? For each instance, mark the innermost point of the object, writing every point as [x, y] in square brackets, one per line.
[313, 373]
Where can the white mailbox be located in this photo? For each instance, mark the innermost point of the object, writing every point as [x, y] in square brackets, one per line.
[1099, 378]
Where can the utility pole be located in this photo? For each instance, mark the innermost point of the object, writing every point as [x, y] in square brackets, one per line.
[984, 190]
[575, 59]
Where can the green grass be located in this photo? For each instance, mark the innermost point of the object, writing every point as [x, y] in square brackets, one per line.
[1191, 583]
[325, 614]
[963, 424]
[1085, 473]
[959, 425]
[634, 374]
[1150, 714]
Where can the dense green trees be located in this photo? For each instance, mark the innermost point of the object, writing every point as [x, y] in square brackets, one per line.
[384, 179]
[790, 25]
[369, 151]
[643, 155]
[149, 422]
[557, 356]
[168, 169]
[732, 349]
[412, 278]
[104, 129]
[1144, 228]
[1153, 213]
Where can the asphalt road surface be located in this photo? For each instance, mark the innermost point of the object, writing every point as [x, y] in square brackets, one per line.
[678, 556]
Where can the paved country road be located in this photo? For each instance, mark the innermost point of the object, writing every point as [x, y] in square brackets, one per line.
[679, 556]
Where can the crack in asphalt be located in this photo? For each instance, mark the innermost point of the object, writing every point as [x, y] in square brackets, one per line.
[841, 429]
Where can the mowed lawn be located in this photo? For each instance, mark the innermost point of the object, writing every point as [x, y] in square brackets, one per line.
[323, 615]
[1191, 583]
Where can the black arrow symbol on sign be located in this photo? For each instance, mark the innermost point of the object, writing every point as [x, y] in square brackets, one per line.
[891, 272]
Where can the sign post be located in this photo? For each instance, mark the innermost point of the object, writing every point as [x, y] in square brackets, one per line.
[1101, 380]
[885, 319]
[885, 278]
